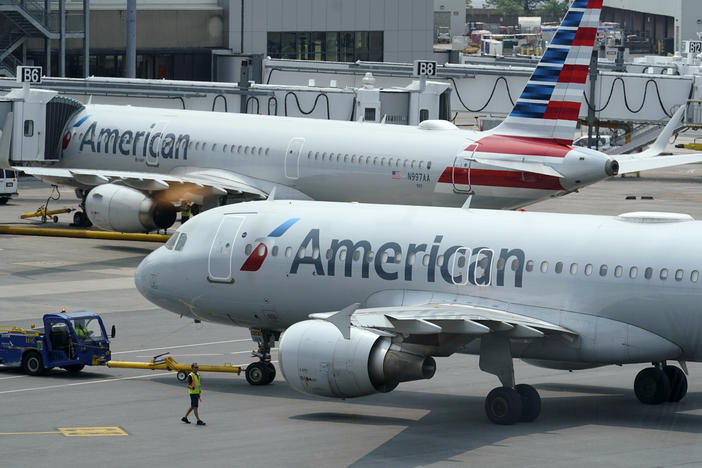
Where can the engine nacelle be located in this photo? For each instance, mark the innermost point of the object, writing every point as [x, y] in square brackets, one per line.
[124, 209]
[315, 358]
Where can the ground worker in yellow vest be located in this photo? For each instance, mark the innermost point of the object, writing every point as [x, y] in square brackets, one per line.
[185, 211]
[194, 391]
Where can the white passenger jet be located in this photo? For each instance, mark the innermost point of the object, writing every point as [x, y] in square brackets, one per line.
[133, 166]
[389, 287]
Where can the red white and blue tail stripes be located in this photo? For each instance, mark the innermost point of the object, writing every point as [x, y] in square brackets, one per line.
[548, 107]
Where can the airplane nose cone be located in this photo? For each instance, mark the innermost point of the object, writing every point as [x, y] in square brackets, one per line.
[145, 277]
[612, 167]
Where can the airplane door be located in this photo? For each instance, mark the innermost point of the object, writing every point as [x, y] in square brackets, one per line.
[460, 176]
[292, 158]
[220, 259]
[460, 265]
[154, 149]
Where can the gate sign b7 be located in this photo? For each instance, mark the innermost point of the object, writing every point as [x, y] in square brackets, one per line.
[692, 47]
[424, 68]
[29, 74]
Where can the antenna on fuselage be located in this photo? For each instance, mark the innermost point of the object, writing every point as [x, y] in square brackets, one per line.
[271, 195]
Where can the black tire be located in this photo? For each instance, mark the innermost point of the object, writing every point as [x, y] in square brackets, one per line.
[271, 372]
[3, 201]
[74, 368]
[78, 218]
[181, 376]
[257, 373]
[32, 363]
[678, 383]
[503, 405]
[652, 386]
[531, 402]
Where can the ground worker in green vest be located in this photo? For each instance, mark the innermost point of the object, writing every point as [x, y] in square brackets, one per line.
[185, 211]
[194, 391]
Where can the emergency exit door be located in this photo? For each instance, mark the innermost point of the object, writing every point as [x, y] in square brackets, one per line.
[222, 249]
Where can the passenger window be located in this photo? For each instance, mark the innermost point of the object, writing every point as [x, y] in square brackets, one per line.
[181, 241]
[315, 253]
[261, 250]
[410, 259]
[353, 158]
[603, 270]
[356, 255]
[694, 276]
[288, 251]
[267, 150]
[633, 272]
[389, 161]
[224, 148]
[253, 150]
[214, 146]
[573, 268]
[425, 260]
[530, 266]
[370, 256]
[342, 255]
[588, 269]
[440, 260]
[679, 275]
[346, 158]
[428, 165]
[309, 155]
[559, 267]
[330, 252]
[648, 273]
[664, 274]
[501, 264]
[248, 249]
[301, 253]
[544, 267]
[274, 251]
[28, 128]
[324, 156]
[412, 164]
[233, 148]
[398, 258]
[618, 271]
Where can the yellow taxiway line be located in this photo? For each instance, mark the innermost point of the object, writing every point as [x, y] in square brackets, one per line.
[82, 234]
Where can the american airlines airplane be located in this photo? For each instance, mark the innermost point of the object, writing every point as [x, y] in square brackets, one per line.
[368, 294]
[133, 166]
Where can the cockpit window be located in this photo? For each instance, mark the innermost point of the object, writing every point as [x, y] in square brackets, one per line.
[182, 239]
[172, 241]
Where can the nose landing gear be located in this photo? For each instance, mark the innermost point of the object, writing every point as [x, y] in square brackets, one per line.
[261, 372]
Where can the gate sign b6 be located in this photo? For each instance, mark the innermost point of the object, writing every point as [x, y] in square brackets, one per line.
[692, 47]
[29, 74]
[424, 68]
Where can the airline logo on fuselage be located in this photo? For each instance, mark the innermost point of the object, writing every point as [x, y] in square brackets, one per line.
[456, 264]
[154, 142]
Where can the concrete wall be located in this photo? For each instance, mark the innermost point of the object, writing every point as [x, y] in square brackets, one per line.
[457, 9]
[407, 24]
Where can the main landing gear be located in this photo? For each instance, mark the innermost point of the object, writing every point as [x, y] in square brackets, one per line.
[263, 371]
[80, 219]
[660, 383]
[510, 403]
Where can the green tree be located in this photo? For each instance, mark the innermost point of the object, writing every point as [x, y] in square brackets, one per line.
[554, 9]
[514, 7]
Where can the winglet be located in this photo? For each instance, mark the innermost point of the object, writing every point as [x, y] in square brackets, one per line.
[341, 319]
[661, 142]
[271, 195]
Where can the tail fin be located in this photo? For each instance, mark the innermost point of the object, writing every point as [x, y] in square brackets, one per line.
[548, 107]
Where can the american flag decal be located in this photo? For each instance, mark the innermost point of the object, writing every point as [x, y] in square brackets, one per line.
[396, 175]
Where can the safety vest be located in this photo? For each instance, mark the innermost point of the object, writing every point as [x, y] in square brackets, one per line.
[195, 389]
[186, 210]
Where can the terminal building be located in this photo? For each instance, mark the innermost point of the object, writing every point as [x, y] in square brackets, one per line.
[205, 39]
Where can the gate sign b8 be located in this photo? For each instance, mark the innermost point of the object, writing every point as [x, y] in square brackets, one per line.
[692, 47]
[29, 74]
[424, 68]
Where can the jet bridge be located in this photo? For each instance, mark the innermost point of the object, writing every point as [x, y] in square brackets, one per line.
[32, 122]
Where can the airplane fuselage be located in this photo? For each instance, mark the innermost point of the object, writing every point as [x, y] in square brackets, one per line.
[434, 164]
[606, 278]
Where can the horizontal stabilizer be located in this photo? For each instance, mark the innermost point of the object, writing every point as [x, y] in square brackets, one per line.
[635, 165]
[520, 166]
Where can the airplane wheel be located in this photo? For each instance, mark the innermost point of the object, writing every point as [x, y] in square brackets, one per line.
[652, 386]
[531, 402]
[678, 383]
[32, 363]
[74, 369]
[258, 373]
[271, 372]
[503, 405]
[181, 376]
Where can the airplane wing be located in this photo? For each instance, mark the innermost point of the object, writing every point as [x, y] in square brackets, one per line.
[444, 318]
[208, 182]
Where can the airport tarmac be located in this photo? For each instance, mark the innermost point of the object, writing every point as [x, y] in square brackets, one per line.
[123, 417]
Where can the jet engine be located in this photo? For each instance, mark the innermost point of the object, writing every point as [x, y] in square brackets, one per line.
[315, 358]
[124, 209]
